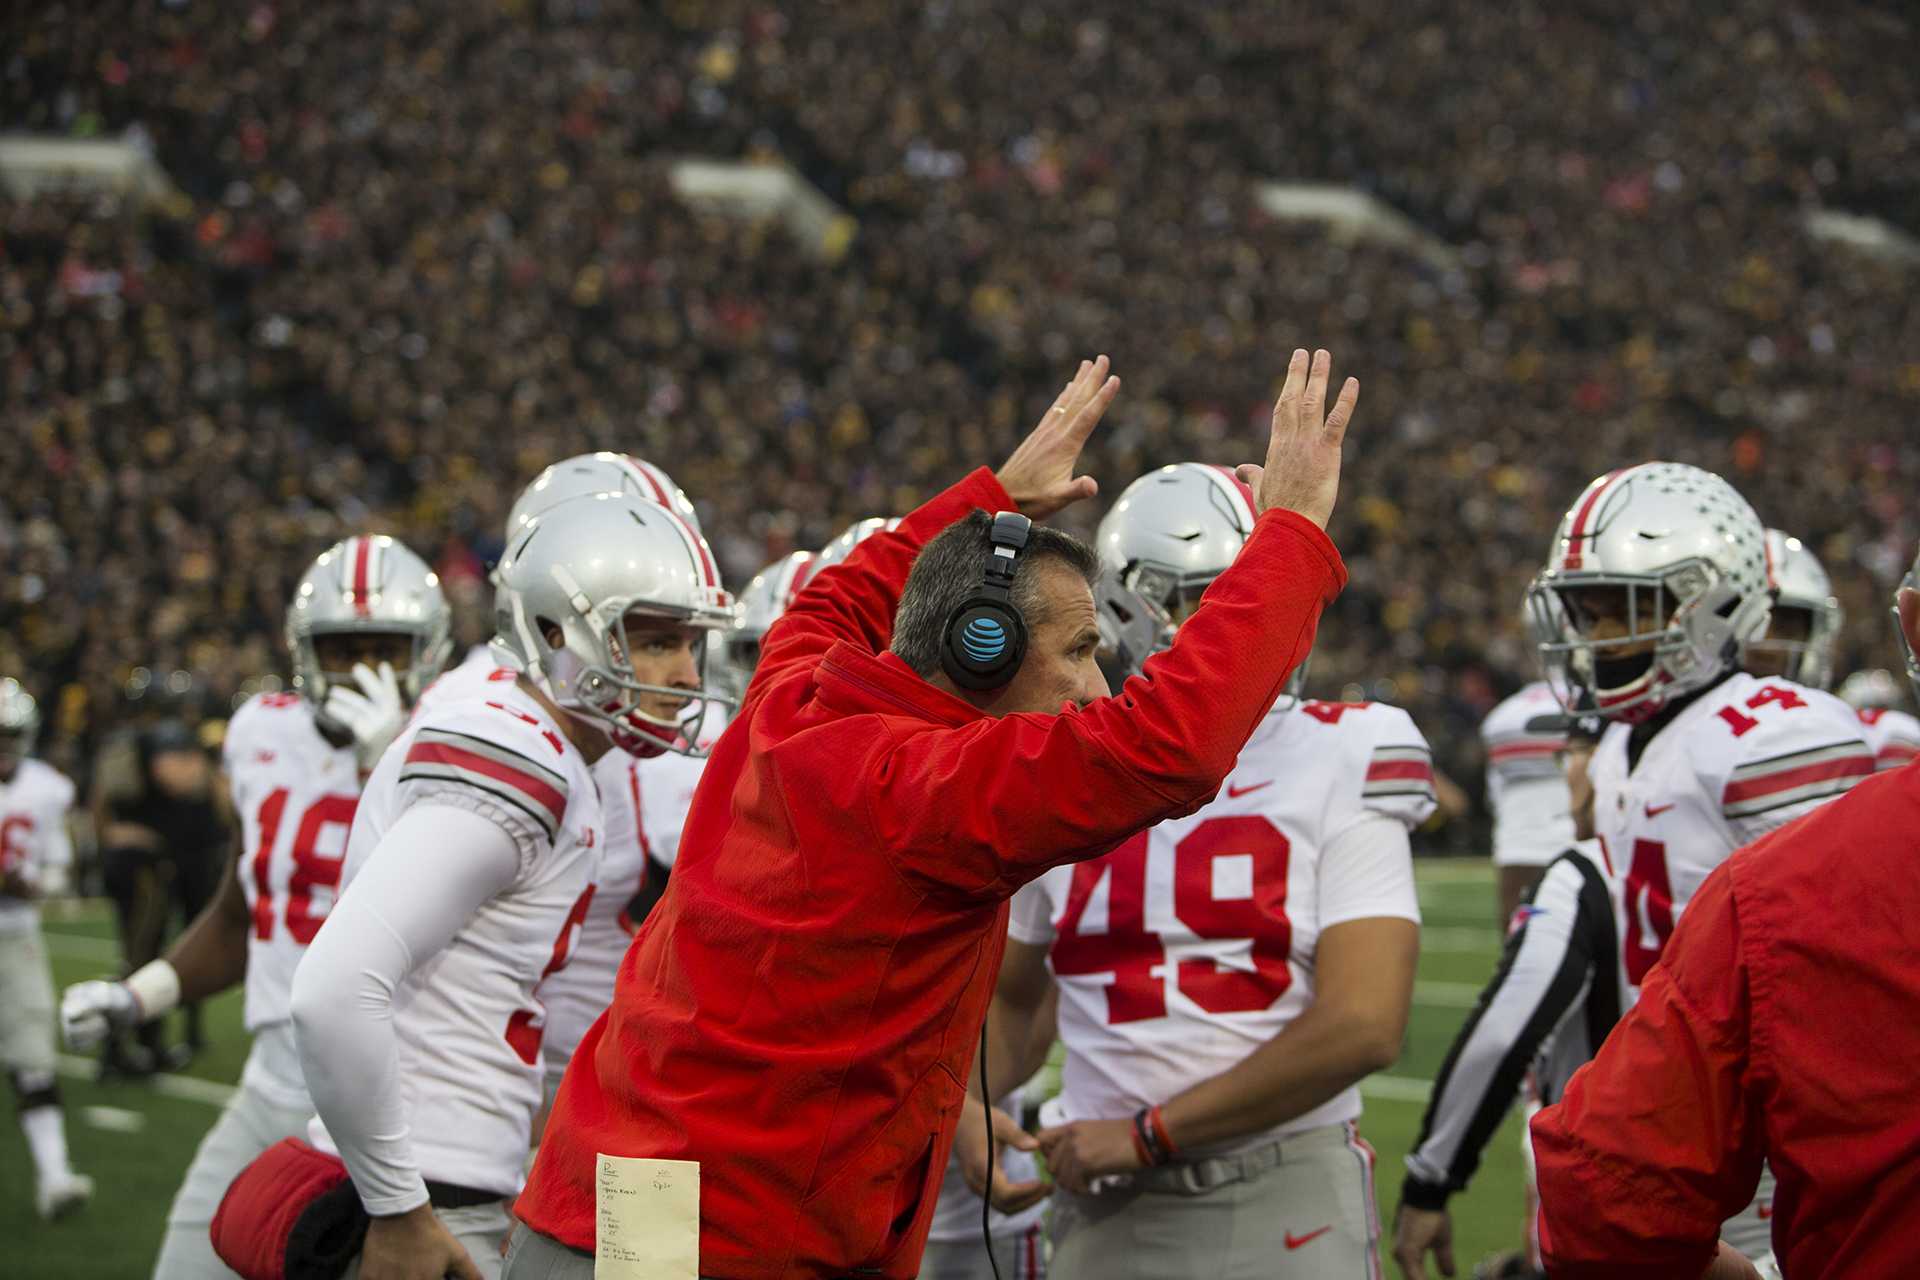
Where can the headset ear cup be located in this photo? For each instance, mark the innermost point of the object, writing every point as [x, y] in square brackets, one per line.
[984, 644]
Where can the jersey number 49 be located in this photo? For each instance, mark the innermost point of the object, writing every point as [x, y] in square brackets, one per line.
[1137, 956]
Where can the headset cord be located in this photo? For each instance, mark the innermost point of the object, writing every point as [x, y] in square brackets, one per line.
[986, 1199]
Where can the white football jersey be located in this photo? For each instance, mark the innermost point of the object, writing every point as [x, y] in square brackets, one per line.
[295, 794]
[644, 805]
[470, 1020]
[1893, 735]
[34, 805]
[1532, 814]
[1745, 757]
[578, 994]
[1192, 944]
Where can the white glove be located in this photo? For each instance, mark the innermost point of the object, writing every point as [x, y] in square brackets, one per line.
[374, 716]
[90, 1010]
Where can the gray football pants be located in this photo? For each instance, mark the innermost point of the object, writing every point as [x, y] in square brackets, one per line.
[1302, 1209]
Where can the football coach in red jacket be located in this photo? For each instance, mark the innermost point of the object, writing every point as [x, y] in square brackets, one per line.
[1782, 1022]
[799, 1012]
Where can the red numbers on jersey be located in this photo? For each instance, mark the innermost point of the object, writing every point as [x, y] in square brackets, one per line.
[1770, 695]
[311, 868]
[1137, 957]
[13, 848]
[553, 739]
[528, 1027]
[279, 699]
[1649, 909]
[1330, 712]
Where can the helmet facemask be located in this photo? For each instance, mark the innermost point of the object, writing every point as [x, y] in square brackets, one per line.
[313, 675]
[1631, 642]
[589, 675]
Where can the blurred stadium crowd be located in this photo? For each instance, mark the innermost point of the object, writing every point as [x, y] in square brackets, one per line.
[425, 248]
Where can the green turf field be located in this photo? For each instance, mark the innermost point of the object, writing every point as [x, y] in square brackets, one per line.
[136, 1140]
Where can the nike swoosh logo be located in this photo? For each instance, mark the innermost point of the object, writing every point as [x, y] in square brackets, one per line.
[1656, 811]
[1234, 793]
[1294, 1241]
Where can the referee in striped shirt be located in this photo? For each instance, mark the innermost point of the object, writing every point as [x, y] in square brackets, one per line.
[1550, 1003]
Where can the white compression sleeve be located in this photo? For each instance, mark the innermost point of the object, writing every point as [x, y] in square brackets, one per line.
[431, 872]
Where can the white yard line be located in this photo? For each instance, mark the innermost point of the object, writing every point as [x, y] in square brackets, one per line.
[1446, 995]
[1396, 1089]
[186, 1088]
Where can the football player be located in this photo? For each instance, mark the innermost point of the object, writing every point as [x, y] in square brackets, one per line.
[367, 629]
[1226, 979]
[419, 1009]
[1657, 585]
[641, 814]
[36, 854]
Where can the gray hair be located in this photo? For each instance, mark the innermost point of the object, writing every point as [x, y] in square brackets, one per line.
[951, 568]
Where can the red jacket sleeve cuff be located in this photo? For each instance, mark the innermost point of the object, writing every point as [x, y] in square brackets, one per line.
[1315, 537]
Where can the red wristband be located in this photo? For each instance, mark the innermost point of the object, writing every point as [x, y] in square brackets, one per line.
[1140, 1149]
[1160, 1133]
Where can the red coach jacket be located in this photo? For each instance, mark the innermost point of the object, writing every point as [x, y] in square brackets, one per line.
[800, 1010]
[1782, 1022]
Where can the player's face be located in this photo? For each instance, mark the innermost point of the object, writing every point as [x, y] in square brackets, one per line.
[664, 652]
[1578, 755]
[1061, 663]
[1790, 628]
[1607, 617]
[339, 652]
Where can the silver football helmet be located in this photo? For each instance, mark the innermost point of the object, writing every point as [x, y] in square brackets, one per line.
[368, 585]
[1656, 581]
[19, 722]
[1803, 600]
[1875, 690]
[1173, 531]
[603, 472]
[580, 568]
[1167, 537]
[850, 537]
[761, 605]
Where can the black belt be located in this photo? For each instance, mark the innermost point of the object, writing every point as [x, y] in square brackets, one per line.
[447, 1195]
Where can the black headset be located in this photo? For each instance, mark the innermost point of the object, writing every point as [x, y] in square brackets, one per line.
[985, 637]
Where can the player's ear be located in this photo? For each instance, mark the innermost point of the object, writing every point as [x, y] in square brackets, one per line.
[551, 632]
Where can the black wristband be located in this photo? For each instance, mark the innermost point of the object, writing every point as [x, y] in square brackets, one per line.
[1429, 1196]
[1143, 1129]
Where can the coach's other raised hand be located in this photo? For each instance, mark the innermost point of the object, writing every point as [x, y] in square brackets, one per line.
[1039, 476]
[1302, 470]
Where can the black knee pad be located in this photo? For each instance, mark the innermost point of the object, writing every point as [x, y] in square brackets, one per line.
[35, 1089]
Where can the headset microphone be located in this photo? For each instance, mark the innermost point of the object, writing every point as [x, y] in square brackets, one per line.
[985, 637]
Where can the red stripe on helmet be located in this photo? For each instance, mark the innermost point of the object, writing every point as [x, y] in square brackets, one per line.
[660, 494]
[699, 545]
[1583, 513]
[362, 551]
[1240, 486]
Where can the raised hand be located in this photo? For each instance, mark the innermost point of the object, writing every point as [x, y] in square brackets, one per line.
[1039, 476]
[1302, 470]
